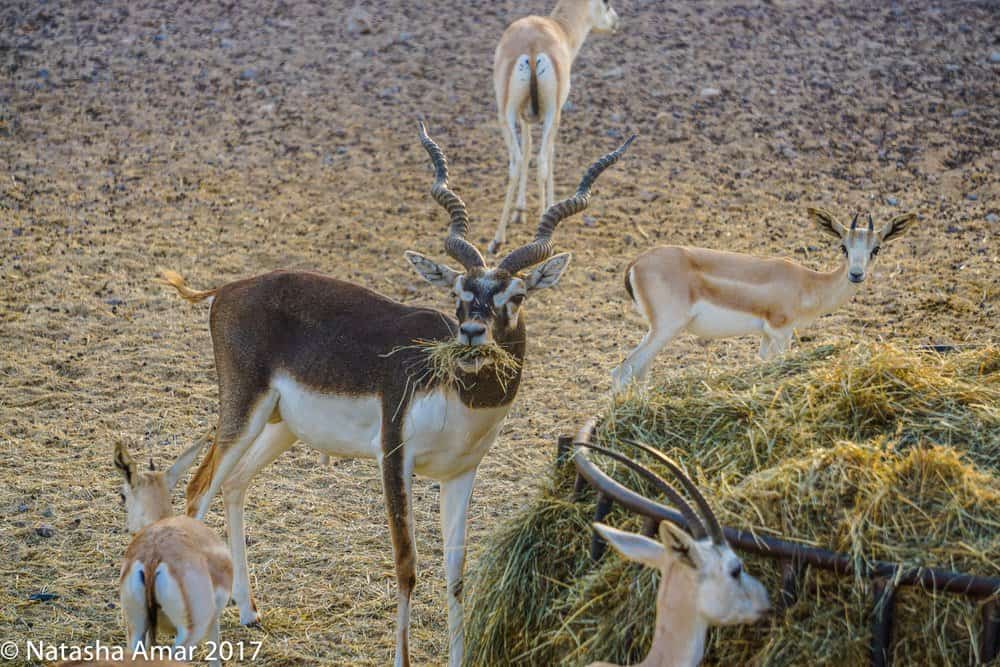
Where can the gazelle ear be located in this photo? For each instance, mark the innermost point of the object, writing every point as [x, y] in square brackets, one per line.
[124, 462]
[896, 226]
[436, 274]
[826, 222]
[183, 462]
[639, 548]
[549, 272]
[680, 544]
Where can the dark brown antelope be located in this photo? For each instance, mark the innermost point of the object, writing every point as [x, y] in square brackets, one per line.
[717, 294]
[303, 356]
[702, 581]
[531, 73]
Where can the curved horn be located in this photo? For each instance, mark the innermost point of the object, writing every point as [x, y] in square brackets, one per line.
[854, 221]
[711, 523]
[455, 245]
[871, 223]
[541, 248]
[695, 525]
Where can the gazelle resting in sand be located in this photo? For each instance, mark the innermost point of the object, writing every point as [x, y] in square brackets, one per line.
[177, 574]
[531, 73]
[718, 294]
[702, 581]
[303, 356]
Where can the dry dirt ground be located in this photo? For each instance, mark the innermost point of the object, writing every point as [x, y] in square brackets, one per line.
[227, 139]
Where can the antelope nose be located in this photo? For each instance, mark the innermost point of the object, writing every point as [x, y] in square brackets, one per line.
[472, 330]
[857, 276]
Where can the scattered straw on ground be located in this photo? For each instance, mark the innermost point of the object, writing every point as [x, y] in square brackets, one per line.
[870, 450]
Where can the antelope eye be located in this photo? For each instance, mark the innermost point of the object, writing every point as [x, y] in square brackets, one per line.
[843, 249]
[874, 251]
[736, 571]
[122, 496]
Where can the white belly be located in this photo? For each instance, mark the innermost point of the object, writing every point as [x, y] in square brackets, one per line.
[441, 436]
[711, 321]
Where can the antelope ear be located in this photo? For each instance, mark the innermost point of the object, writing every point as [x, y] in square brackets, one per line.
[826, 222]
[896, 226]
[639, 548]
[124, 462]
[439, 275]
[549, 272]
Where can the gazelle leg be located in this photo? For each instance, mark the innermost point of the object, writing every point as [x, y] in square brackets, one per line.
[274, 440]
[765, 347]
[508, 125]
[522, 177]
[637, 363]
[545, 186]
[455, 495]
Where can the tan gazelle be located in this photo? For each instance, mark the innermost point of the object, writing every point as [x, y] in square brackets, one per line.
[531, 73]
[177, 574]
[302, 356]
[718, 294]
[702, 581]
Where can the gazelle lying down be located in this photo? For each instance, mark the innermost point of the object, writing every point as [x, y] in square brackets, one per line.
[702, 581]
[175, 564]
[717, 294]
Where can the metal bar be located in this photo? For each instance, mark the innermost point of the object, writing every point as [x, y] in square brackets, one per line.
[934, 579]
[791, 573]
[884, 592]
[989, 641]
[597, 543]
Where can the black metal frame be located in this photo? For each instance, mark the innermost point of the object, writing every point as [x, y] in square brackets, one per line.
[793, 557]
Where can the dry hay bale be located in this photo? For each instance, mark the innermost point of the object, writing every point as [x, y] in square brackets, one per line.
[870, 450]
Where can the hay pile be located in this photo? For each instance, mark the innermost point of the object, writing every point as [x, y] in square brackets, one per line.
[870, 450]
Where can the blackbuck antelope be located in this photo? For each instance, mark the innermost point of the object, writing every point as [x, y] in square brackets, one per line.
[177, 574]
[531, 72]
[717, 294]
[702, 581]
[303, 356]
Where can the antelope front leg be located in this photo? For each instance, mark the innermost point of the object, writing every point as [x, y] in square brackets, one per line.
[455, 495]
[397, 484]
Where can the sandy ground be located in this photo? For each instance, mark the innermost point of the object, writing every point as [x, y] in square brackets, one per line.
[227, 139]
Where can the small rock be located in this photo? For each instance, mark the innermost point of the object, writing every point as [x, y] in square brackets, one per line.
[159, 37]
[613, 73]
[157, 335]
[992, 217]
[995, 57]
[648, 196]
[43, 597]
[23, 507]
[45, 530]
[568, 106]
[589, 221]
[710, 92]
[47, 513]
[115, 301]
[249, 74]
[958, 113]
[951, 68]
[891, 201]
[972, 196]
[952, 229]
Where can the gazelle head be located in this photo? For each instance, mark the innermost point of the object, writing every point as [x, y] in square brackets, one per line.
[146, 493]
[603, 16]
[723, 593]
[860, 244]
[489, 300]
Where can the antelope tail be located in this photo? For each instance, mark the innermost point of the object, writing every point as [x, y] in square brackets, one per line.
[533, 85]
[202, 480]
[175, 280]
[149, 574]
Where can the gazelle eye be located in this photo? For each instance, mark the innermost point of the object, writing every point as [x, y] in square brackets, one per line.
[736, 571]
[874, 251]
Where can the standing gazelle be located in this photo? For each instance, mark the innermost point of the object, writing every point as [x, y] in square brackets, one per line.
[717, 294]
[702, 581]
[531, 72]
[303, 356]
